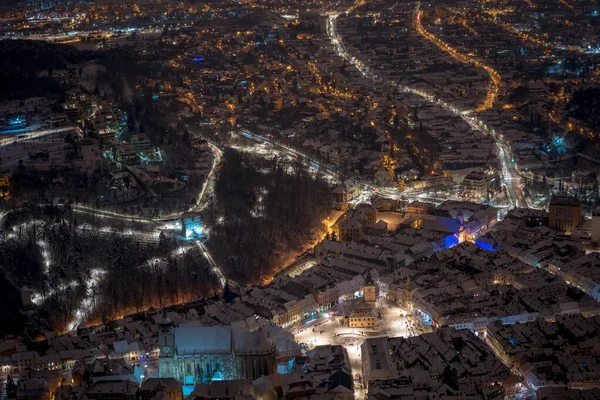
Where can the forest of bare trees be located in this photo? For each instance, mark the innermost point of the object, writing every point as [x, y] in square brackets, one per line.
[264, 211]
[78, 269]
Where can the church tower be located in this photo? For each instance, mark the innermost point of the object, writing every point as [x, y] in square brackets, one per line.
[369, 294]
[166, 346]
[460, 217]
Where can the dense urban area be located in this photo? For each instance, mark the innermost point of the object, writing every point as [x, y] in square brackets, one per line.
[333, 199]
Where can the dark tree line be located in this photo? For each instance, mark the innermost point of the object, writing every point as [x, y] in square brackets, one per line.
[22, 60]
[585, 106]
[10, 315]
[265, 210]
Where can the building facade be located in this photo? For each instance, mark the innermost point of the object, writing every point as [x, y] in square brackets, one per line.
[565, 213]
[360, 315]
[369, 291]
[477, 185]
[205, 354]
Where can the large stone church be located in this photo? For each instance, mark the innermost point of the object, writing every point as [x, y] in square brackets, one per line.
[204, 354]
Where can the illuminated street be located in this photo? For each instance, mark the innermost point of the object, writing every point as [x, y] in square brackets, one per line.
[512, 181]
[496, 80]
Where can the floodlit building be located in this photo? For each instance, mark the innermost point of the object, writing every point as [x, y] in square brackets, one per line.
[477, 184]
[360, 315]
[565, 213]
[369, 292]
[351, 229]
[191, 227]
[346, 191]
[355, 223]
[205, 354]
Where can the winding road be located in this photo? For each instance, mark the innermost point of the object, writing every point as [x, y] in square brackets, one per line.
[511, 177]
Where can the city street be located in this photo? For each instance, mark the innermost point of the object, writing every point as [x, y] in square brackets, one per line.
[329, 330]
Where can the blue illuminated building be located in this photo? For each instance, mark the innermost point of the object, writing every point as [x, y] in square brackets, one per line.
[450, 241]
[191, 227]
[559, 143]
[13, 124]
[109, 155]
[426, 318]
[187, 390]
[485, 246]
[451, 230]
[154, 157]
[16, 121]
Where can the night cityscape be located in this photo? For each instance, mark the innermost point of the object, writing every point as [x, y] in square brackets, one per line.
[283, 199]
